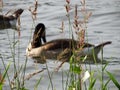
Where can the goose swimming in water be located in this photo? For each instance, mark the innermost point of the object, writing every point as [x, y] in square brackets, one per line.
[10, 20]
[59, 48]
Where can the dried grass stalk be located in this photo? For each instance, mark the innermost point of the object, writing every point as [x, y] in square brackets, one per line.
[33, 74]
[34, 11]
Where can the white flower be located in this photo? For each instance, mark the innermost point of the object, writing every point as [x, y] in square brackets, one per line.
[86, 76]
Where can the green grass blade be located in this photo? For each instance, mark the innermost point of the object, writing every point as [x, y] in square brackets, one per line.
[38, 82]
[104, 67]
[105, 86]
[1, 86]
[5, 73]
[92, 84]
[3, 76]
[113, 79]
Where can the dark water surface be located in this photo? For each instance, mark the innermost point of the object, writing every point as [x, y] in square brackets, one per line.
[104, 25]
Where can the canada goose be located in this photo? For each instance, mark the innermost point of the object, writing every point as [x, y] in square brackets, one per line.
[10, 20]
[59, 48]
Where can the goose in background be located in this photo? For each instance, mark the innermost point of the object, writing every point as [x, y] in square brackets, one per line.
[61, 49]
[10, 20]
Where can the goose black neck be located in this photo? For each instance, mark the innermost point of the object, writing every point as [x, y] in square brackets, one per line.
[39, 35]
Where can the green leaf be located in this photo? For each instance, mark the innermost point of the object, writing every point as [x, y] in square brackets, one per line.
[92, 84]
[38, 82]
[103, 68]
[113, 79]
[1, 86]
[105, 86]
[76, 69]
[5, 73]
[84, 58]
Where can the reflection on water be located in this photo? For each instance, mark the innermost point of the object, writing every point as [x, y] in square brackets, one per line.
[104, 25]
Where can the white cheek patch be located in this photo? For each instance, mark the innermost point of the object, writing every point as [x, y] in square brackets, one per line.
[86, 51]
[34, 52]
[13, 23]
[28, 49]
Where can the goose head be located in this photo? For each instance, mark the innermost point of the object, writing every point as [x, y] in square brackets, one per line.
[35, 47]
[39, 35]
[17, 13]
[9, 21]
